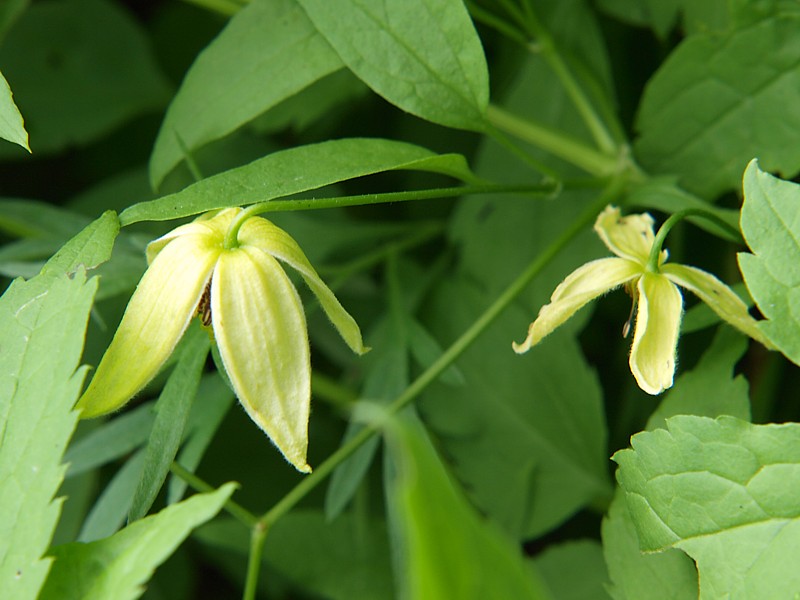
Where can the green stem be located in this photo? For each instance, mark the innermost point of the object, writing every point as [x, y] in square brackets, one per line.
[661, 236]
[290, 500]
[235, 509]
[367, 199]
[547, 47]
[554, 141]
[490, 20]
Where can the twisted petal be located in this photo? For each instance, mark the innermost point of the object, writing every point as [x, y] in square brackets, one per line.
[655, 338]
[719, 297]
[582, 285]
[260, 329]
[628, 237]
[262, 234]
[157, 315]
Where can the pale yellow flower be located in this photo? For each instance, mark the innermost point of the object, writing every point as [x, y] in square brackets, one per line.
[659, 304]
[255, 313]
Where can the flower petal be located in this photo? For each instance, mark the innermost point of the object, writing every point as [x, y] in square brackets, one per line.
[157, 315]
[719, 297]
[260, 329]
[582, 285]
[211, 225]
[273, 240]
[655, 338]
[628, 237]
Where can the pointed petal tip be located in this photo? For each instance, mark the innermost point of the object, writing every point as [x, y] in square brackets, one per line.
[523, 347]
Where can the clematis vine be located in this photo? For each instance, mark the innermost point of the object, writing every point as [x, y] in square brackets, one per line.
[236, 285]
[657, 301]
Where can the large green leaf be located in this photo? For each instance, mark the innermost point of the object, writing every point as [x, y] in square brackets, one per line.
[447, 550]
[293, 171]
[268, 52]
[79, 68]
[118, 566]
[12, 126]
[424, 56]
[724, 492]
[721, 99]
[771, 227]
[43, 322]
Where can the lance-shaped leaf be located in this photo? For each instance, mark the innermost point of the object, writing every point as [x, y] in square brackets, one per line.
[268, 52]
[12, 126]
[118, 566]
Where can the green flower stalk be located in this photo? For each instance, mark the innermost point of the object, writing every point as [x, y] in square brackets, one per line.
[657, 300]
[253, 310]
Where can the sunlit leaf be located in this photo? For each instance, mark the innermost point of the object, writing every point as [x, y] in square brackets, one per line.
[723, 492]
[12, 126]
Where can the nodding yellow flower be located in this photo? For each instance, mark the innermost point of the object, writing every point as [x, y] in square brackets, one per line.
[243, 294]
[657, 300]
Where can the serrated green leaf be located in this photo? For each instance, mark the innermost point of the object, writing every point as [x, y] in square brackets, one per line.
[268, 52]
[42, 333]
[289, 172]
[721, 99]
[172, 412]
[80, 68]
[12, 126]
[424, 56]
[771, 227]
[723, 491]
[447, 550]
[633, 572]
[118, 566]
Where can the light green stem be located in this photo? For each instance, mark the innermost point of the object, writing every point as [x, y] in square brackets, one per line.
[231, 237]
[611, 193]
[556, 142]
[546, 46]
[661, 236]
[236, 510]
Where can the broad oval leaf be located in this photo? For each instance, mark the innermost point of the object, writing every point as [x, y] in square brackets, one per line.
[293, 171]
[268, 52]
[720, 99]
[424, 56]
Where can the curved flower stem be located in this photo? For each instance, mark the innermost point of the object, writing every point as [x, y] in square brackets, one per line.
[611, 193]
[231, 240]
[661, 236]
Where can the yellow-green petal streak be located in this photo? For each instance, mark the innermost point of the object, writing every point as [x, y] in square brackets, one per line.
[260, 329]
[157, 315]
[261, 233]
[655, 338]
[582, 286]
